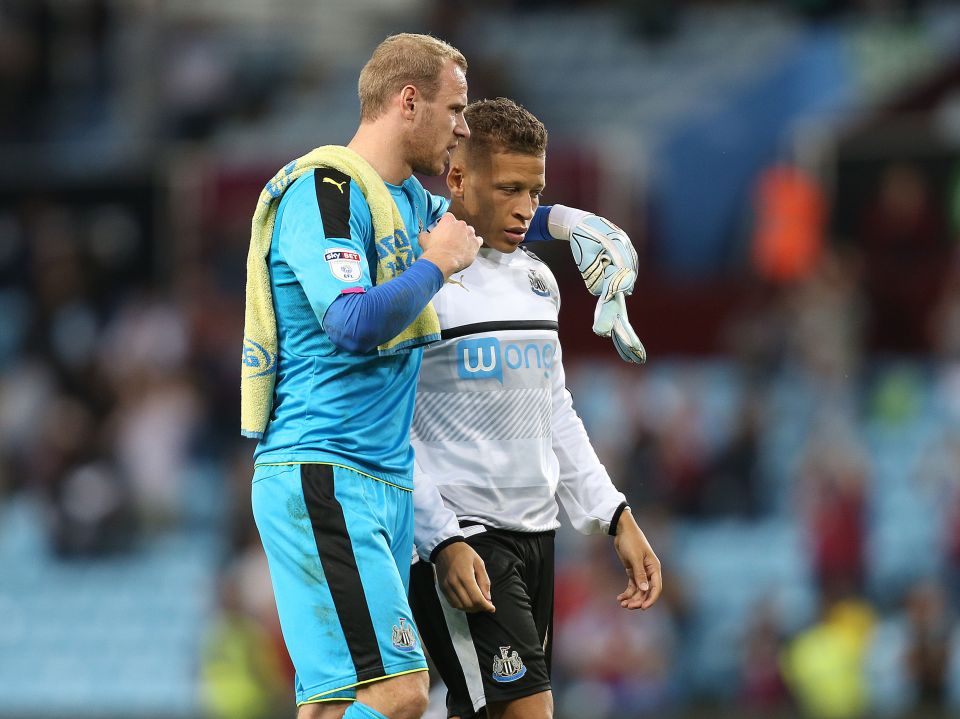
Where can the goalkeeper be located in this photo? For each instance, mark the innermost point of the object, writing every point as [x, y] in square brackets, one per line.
[496, 438]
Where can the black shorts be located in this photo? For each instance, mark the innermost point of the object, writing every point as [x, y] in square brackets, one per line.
[497, 657]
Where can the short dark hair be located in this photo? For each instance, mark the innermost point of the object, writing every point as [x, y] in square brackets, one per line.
[504, 125]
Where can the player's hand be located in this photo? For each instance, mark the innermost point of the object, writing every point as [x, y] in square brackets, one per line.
[608, 262]
[644, 581]
[610, 320]
[602, 250]
[451, 245]
[463, 578]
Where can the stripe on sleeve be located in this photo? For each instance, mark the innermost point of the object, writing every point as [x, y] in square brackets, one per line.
[333, 199]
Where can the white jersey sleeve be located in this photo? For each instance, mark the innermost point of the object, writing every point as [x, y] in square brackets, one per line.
[433, 522]
[585, 489]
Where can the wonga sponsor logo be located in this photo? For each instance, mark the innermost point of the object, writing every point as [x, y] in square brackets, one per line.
[485, 358]
[479, 359]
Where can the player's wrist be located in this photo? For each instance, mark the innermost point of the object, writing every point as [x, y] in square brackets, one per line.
[443, 261]
[622, 520]
[431, 272]
[562, 220]
[435, 554]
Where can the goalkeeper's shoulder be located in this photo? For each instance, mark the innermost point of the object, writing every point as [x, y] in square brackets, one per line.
[531, 255]
[538, 269]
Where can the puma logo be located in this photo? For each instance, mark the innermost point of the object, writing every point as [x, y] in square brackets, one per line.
[458, 283]
[339, 185]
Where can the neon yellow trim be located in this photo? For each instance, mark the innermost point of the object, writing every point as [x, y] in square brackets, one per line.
[333, 464]
[321, 701]
[315, 699]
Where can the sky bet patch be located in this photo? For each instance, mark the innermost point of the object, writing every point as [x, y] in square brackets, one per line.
[344, 264]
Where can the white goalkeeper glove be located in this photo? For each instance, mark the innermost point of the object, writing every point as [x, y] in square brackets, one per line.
[610, 319]
[607, 262]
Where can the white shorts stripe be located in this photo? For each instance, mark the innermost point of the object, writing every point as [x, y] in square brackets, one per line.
[462, 640]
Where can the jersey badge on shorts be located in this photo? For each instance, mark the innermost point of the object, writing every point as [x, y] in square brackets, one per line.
[537, 285]
[508, 667]
[403, 637]
[344, 264]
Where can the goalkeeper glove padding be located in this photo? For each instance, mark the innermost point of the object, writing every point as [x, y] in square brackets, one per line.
[610, 320]
[601, 249]
[608, 263]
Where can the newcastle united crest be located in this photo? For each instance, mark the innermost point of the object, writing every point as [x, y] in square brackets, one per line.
[403, 637]
[508, 667]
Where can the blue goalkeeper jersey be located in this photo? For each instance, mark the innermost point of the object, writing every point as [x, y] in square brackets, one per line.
[331, 405]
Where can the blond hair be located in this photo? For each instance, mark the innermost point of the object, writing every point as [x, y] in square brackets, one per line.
[401, 60]
[502, 125]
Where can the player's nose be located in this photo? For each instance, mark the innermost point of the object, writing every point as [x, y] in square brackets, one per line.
[525, 210]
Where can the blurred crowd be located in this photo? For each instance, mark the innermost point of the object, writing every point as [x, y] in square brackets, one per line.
[859, 334]
[121, 350]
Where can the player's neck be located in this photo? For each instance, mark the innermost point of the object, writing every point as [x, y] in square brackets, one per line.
[458, 210]
[378, 146]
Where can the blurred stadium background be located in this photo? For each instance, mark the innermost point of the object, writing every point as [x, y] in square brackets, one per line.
[790, 172]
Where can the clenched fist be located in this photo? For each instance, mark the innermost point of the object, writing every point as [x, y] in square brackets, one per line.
[451, 245]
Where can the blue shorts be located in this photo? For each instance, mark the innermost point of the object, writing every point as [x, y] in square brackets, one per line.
[339, 545]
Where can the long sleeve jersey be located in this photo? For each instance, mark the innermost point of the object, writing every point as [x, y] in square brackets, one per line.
[495, 435]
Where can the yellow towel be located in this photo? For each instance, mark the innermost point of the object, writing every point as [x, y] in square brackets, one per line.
[394, 250]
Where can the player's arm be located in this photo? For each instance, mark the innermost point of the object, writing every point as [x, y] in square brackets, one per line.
[588, 495]
[461, 573]
[594, 504]
[325, 239]
[604, 255]
[608, 264]
[362, 318]
[603, 252]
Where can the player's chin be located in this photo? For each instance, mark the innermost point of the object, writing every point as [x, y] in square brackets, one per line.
[513, 239]
[502, 245]
[443, 160]
[435, 166]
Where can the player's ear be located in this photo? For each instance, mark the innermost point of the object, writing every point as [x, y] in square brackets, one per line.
[408, 101]
[455, 178]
